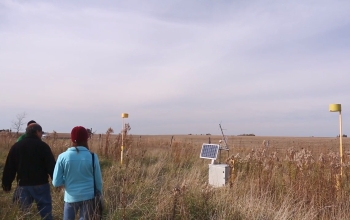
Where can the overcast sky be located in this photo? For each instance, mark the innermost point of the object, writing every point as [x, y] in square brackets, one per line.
[177, 67]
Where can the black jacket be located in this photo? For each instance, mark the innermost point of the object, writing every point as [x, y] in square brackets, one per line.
[32, 160]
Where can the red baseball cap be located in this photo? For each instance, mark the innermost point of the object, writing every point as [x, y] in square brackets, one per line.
[79, 134]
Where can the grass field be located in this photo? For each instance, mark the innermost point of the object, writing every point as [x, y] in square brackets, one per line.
[162, 177]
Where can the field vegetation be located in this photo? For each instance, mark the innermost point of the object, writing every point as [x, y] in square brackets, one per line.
[162, 177]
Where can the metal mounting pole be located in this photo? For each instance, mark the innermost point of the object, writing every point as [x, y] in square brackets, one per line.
[341, 144]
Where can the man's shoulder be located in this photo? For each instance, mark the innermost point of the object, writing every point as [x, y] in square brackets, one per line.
[15, 146]
[44, 144]
[33, 141]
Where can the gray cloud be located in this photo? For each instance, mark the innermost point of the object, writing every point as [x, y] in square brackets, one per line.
[176, 67]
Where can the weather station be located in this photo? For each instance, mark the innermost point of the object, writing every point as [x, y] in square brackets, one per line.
[218, 173]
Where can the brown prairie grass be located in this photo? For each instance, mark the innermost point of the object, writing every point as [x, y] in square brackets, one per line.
[162, 177]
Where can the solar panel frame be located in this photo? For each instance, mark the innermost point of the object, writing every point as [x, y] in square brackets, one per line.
[209, 151]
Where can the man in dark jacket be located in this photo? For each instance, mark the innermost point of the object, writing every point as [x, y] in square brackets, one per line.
[32, 160]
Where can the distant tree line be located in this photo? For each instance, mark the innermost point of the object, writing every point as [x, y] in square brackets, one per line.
[344, 135]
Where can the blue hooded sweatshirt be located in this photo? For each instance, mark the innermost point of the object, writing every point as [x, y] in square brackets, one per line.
[73, 170]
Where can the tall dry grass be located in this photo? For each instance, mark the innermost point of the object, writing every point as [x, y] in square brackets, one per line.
[163, 180]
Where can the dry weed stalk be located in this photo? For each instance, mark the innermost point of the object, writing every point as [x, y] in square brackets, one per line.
[231, 162]
[108, 133]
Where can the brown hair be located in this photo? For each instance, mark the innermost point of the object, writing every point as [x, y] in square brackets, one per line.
[80, 144]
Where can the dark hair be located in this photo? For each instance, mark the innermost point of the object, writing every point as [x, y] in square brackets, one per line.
[81, 144]
[32, 129]
[31, 122]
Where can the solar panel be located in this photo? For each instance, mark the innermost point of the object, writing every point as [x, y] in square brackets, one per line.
[209, 151]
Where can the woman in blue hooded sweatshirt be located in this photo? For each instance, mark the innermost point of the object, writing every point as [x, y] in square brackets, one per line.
[74, 172]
